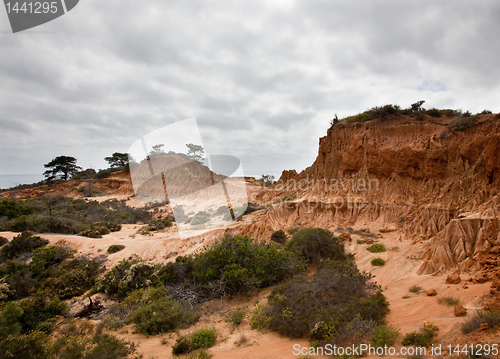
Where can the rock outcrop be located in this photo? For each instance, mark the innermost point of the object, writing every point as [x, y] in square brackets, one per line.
[453, 279]
[440, 187]
[459, 311]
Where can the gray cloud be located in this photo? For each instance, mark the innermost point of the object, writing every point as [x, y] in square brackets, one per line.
[263, 79]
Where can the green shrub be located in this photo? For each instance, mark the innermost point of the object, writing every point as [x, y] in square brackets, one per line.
[111, 281]
[373, 308]
[449, 301]
[156, 313]
[237, 316]
[13, 208]
[417, 339]
[434, 112]
[108, 346]
[115, 248]
[203, 338]
[159, 224]
[221, 210]
[22, 243]
[385, 335]
[182, 346]
[3, 241]
[105, 173]
[39, 313]
[336, 304]
[99, 229]
[317, 244]
[474, 323]
[60, 214]
[415, 289]
[362, 117]
[161, 316]
[375, 113]
[386, 111]
[260, 320]
[294, 230]
[450, 112]
[233, 265]
[200, 339]
[179, 214]
[71, 279]
[492, 318]
[377, 262]
[40, 306]
[52, 270]
[43, 258]
[9, 320]
[89, 173]
[18, 283]
[362, 232]
[463, 122]
[423, 338]
[127, 276]
[34, 345]
[43, 222]
[117, 316]
[200, 218]
[279, 237]
[377, 248]
[76, 340]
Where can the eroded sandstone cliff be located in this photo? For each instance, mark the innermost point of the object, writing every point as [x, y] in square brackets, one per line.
[439, 186]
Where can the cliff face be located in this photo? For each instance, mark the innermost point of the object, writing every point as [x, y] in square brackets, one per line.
[437, 185]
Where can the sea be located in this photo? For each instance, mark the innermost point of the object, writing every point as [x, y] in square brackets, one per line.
[9, 181]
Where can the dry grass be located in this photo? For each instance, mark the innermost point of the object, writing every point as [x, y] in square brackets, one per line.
[449, 301]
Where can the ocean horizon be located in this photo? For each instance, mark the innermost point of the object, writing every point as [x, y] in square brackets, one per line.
[9, 181]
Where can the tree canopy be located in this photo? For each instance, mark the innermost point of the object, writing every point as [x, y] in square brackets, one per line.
[195, 152]
[157, 150]
[61, 167]
[117, 159]
[267, 180]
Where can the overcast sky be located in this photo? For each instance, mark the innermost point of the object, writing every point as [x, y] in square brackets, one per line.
[262, 78]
